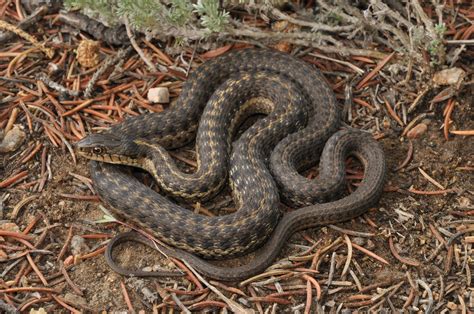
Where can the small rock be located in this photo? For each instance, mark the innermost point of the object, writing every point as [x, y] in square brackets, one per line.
[359, 241]
[159, 95]
[12, 140]
[370, 244]
[386, 123]
[418, 130]
[452, 306]
[464, 202]
[283, 46]
[453, 76]
[9, 226]
[3, 256]
[38, 311]
[148, 268]
[78, 245]
[74, 298]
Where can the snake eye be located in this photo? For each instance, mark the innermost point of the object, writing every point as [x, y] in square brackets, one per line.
[97, 150]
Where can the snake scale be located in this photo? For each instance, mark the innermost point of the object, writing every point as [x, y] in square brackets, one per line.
[261, 165]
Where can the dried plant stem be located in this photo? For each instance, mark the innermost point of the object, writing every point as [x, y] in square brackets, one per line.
[137, 48]
[21, 33]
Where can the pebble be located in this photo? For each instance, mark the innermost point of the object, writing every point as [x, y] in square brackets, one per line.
[78, 245]
[74, 298]
[9, 226]
[12, 140]
[452, 76]
[464, 202]
[160, 95]
[452, 306]
[417, 130]
[359, 241]
[38, 311]
[3, 256]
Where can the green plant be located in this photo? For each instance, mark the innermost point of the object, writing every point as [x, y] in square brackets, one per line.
[212, 19]
[156, 14]
[435, 46]
[181, 12]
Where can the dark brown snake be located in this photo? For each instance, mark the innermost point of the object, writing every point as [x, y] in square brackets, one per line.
[301, 116]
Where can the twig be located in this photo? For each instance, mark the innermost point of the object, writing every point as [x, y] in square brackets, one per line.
[12, 28]
[447, 118]
[56, 86]
[392, 112]
[65, 305]
[20, 204]
[430, 295]
[438, 192]
[462, 132]
[29, 289]
[348, 64]
[112, 36]
[36, 270]
[405, 162]
[309, 296]
[314, 26]
[331, 269]
[352, 232]
[126, 297]
[457, 235]
[26, 22]
[137, 48]
[349, 255]
[316, 285]
[70, 282]
[372, 73]
[433, 181]
[122, 53]
[424, 18]
[13, 179]
[180, 304]
[66, 243]
[401, 259]
[460, 42]
[232, 304]
[371, 254]
[11, 119]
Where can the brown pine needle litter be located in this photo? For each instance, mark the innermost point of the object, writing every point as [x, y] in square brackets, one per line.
[12, 28]
[411, 252]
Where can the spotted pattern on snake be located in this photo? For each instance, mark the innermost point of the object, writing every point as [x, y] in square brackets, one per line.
[303, 116]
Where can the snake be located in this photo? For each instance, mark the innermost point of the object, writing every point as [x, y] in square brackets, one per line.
[343, 143]
[263, 164]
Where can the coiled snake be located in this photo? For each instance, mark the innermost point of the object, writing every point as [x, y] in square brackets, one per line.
[263, 163]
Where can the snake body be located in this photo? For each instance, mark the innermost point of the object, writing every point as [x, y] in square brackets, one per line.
[266, 158]
[342, 144]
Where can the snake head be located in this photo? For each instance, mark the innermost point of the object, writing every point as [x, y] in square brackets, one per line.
[108, 148]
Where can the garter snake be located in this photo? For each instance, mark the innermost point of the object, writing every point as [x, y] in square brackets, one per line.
[264, 160]
[343, 143]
